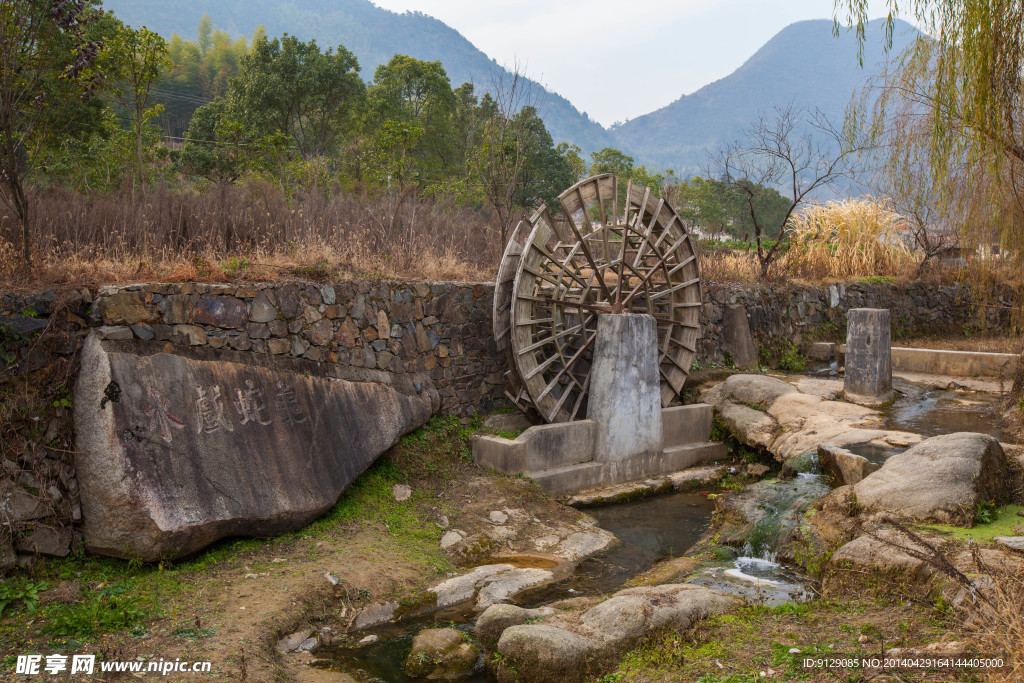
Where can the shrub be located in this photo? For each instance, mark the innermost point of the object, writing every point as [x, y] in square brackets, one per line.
[852, 238]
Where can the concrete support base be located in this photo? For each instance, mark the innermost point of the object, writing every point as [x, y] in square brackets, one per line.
[560, 457]
[868, 355]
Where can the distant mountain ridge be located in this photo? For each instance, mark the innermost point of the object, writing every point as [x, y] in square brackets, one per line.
[803, 64]
[373, 34]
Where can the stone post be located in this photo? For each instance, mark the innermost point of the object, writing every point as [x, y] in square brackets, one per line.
[739, 342]
[625, 388]
[868, 354]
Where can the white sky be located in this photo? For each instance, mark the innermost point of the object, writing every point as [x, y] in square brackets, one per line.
[618, 59]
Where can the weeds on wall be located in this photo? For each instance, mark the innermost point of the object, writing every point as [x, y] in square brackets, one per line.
[779, 353]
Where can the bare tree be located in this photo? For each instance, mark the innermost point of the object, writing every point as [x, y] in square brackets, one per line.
[507, 139]
[796, 152]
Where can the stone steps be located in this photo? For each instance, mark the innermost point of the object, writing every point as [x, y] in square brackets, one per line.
[593, 474]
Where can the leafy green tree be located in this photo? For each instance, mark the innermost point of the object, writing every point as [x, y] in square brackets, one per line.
[46, 66]
[546, 173]
[573, 156]
[215, 147]
[511, 139]
[705, 203]
[291, 86]
[133, 60]
[611, 160]
[392, 154]
[716, 207]
[202, 71]
[204, 39]
[415, 92]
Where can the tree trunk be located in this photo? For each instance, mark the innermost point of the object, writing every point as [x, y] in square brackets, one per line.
[138, 151]
[1018, 378]
[21, 208]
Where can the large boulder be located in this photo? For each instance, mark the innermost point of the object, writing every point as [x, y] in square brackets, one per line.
[573, 646]
[883, 554]
[631, 613]
[942, 479]
[441, 654]
[177, 451]
[549, 654]
[493, 622]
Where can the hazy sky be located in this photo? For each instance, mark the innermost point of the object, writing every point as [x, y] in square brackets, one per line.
[617, 59]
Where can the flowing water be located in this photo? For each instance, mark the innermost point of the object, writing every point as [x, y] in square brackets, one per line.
[945, 411]
[665, 526]
[651, 529]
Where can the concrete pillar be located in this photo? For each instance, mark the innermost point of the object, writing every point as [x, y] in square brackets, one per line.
[625, 388]
[868, 353]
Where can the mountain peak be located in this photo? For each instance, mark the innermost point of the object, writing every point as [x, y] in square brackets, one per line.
[803, 64]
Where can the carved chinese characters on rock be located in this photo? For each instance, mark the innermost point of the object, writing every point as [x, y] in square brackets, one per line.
[214, 408]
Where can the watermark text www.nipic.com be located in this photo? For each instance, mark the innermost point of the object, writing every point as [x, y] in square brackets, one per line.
[87, 665]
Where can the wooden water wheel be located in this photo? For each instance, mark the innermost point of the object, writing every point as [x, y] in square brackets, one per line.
[557, 276]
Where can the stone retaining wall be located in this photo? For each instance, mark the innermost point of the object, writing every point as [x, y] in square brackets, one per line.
[403, 334]
[796, 313]
[389, 332]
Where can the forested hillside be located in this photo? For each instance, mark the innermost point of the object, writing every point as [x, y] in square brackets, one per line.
[372, 34]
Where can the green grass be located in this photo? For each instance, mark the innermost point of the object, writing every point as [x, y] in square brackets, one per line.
[737, 646]
[1004, 519]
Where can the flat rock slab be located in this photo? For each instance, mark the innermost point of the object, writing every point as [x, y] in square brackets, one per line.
[1011, 542]
[175, 453]
[772, 414]
[570, 646]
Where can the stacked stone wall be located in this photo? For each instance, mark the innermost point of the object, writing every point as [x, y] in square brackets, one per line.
[390, 332]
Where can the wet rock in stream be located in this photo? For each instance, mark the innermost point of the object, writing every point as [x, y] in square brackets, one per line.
[441, 654]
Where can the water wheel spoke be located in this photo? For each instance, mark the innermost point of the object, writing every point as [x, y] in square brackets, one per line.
[580, 398]
[655, 268]
[675, 288]
[568, 364]
[555, 337]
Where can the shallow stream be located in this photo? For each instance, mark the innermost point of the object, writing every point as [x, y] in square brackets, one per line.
[651, 529]
[945, 411]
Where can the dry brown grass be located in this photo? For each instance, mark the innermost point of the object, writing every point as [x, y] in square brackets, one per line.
[249, 232]
[852, 238]
[728, 266]
[997, 623]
